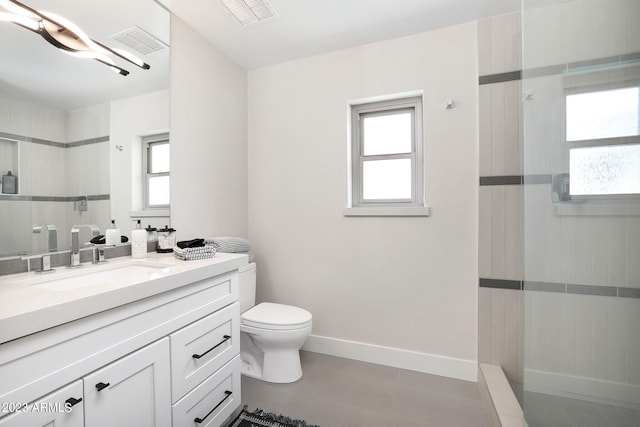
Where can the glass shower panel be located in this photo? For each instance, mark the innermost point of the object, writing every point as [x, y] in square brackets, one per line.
[581, 71]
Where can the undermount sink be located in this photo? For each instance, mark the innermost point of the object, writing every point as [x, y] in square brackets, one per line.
[122, 275]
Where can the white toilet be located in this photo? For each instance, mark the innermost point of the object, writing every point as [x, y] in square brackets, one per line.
[270, 334]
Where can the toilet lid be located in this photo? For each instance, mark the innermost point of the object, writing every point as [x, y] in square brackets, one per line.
[268, 315]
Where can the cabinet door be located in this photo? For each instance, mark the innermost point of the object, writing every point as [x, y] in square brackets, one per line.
[132, 391]
[62, 408]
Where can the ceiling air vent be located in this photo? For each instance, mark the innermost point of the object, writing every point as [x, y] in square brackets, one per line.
[139, 40]
[249, 12]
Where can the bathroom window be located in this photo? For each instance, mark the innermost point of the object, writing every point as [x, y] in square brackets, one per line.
[386, 154]
[603, 139]
[156, 161]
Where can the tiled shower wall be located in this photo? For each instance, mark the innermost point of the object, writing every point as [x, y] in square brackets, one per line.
[582, 282]
[58, 158]
[501, 216]
[582, 275]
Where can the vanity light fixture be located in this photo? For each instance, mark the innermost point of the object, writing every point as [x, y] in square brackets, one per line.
[65, 35]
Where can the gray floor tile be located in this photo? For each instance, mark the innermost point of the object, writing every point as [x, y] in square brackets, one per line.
[544, 410]
[338, 392]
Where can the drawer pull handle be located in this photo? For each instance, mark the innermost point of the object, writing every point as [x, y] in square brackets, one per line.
[101, 386]
[225, 339]
[227, 393]
[72, 401]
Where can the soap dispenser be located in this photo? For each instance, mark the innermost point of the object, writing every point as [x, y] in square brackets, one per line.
[138, 242]
[112, 236]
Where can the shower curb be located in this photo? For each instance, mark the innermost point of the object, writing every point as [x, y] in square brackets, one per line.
[501, 402]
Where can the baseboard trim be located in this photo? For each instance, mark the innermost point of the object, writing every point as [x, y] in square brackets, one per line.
[398, 358]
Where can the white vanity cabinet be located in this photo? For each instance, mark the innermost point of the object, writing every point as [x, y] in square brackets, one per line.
[168, 359]
[132, 391]
[62, 408]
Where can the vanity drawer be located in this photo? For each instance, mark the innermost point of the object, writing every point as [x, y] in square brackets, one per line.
[200, 349]
[213, 401]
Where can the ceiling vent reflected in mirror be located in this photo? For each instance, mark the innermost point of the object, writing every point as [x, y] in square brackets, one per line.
[250, 12]
[139, 40]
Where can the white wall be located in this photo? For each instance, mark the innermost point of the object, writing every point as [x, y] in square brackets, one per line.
[405, 287]
[208, 139]
[132, 119]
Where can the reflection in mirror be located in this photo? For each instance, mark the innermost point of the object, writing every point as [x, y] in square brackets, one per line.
[71, 129]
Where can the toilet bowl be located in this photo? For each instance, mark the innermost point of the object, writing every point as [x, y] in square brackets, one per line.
[271, 335]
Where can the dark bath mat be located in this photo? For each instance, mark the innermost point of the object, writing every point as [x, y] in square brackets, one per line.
[259, 418]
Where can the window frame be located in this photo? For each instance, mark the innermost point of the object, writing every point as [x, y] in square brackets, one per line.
[588, 82]
[413, 105]
[147, 143]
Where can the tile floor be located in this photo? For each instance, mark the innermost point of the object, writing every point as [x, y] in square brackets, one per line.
[544, 410]
[337, 392]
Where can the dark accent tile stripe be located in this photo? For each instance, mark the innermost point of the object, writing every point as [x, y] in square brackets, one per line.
[55, 143]
[48, 199]
[45, 142]
[568, 288]
[500, 77]
[545, 287]
[515, 179]
[550, 70]
[93, 197]
[16, 198]
[629, 292]
[76, 198]
[87, 142]
[537, 179]
[501, 180]
[501, 284]
[630, 57]
[12, 136]
[607, 291]
[572, 66]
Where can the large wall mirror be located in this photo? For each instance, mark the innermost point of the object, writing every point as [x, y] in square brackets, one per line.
[72, 130]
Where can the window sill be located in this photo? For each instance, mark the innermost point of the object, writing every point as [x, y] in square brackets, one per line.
[388, 211]
[151, 213]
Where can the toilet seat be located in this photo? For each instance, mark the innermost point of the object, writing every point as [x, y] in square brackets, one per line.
[272, 316]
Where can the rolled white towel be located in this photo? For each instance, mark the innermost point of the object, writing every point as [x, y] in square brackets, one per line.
[201, 252]
[230, 244]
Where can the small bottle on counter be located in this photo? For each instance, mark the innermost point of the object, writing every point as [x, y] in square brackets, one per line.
[112, 235]
[138, 242]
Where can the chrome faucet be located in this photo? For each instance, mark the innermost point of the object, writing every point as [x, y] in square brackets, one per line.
[75, 242]
[52, 233]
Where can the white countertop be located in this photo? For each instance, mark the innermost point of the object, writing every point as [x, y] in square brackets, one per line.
[27, 306]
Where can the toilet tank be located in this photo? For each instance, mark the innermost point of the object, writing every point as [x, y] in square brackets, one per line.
[247, 286]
